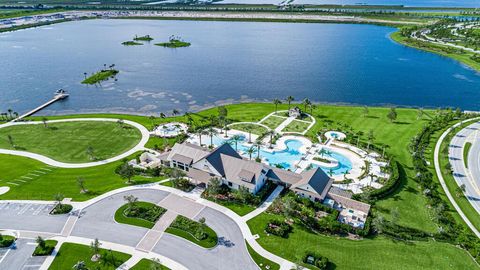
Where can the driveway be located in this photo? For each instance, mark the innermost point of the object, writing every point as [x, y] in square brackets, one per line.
[30, 217]
[97, 220]
[231, 252]
[20, 256]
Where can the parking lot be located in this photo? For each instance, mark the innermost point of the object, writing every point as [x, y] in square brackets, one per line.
[30, 217]
[20, 256]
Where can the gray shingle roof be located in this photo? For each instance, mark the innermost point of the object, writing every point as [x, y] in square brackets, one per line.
[194, 152]
[214, 158]
[235, 168]
[317, 179]
[284, 176]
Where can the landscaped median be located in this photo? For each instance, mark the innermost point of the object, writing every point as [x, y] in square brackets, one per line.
[72, 255]
[196, 232]
[142, 214]
[6, 240]
[145, 264]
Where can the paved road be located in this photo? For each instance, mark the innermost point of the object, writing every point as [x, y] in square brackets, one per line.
[30, 217]
[20, 256]
[469, 177]
[140, 146]
[97, 220]
[231, 252]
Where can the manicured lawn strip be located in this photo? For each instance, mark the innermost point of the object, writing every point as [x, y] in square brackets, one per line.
[100, 76]
[167, 184]
[377, 253]
[120, 216]
[68, 141]
[146, 264]
[262, 262]
[466, 150]
[273, 121]
[452, 186]
[6, 240]
[175, 228]
[239, 209]
[98, 180]
[49, 247]
[70, 254]
[255, 129]
[296, 126]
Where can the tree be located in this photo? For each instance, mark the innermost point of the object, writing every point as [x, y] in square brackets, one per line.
[95, 248]
[214, 186]
[312, 107]
[243, 194]
[41, 242]
[370, 138]
[392, 115]
[81, 184]
[460, 190]
[322, 152]
[10, 111]
[276, 102]
[365, 111]
[162, 115]
[175, 112]
[10, 141]
[330, 172]
[59, 198]
[306, 102]
[222, 113]
[126, 171]
[212, 132]
[90, 153]
[271, 133]
[236, 138]
[80, 265]
[258, 143]
[131, 201]
[249, 130]
[379, 223]
[45, 122]
[156, 264]
[251, 151]
[289, 100]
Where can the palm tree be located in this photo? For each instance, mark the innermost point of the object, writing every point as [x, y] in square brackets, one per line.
[152, 119]
[175, 112]
[249, 130]
[289, 100]
[10, 112]
[258, 143]
[271, 133]
[213, 119]
[322, 152]
[276, 101]
[162, 115]
[226, 122]
[212, 132]
[306, 102]
[250, 151]
[85, 75]
[236, 138]
[330, 172]
[312, 107]
[45, 122]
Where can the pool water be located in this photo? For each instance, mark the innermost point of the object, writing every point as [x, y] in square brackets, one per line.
[285, 159]
[344, 164]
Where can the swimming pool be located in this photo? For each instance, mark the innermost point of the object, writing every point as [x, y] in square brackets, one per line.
[285, 158]
[344, 164]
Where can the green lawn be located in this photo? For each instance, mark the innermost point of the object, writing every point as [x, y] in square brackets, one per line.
[120, 216]
[145, 264]
[263, 263]
[239, 209]
[254, 129]
[101, 76]
[466, 150]
[68, 142]
[70, 254]
[378, 253]
[296, 126]
[180, 228]
[32, 180]
[273, 121]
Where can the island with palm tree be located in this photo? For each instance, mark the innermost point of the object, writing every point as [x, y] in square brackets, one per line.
[102, 75]
[174, 42]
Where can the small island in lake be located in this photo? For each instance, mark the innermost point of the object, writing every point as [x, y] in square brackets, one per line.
[143, 38]
[102, 75]
[131, 43]
[174, 42]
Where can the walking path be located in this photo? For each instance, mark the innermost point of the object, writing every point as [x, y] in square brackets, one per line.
[151, 238]
[139, 147]
[442, 180]
[264, 206]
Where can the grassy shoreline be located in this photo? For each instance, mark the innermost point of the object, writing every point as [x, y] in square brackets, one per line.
[437, 49]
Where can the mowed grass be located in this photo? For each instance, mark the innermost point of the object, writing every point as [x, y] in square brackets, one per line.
[70, 254]
[146, 264]
[378, 253]
[296, 126]
[68, 142]
[43, 186]
[252, 128]
[466, 150]
[262, 262]
[273, 121]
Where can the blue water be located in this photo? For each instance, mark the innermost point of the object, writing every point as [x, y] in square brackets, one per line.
[286, 158]
[344, 164]
[227, 62]
[409, 3]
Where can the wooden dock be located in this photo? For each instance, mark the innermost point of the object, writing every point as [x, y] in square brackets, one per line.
[58, 96]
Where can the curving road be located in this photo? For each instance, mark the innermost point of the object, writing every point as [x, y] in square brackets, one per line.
[139, 147]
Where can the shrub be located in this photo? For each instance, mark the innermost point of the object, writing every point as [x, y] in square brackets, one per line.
[196, 229]
[61, 208]
[313, 258]
[278, 228]
[6, 240]
[44, 248]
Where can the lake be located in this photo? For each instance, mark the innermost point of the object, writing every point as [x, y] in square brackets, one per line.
[407, 3]
[227, 62]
